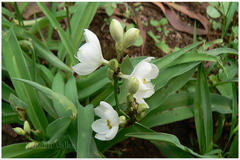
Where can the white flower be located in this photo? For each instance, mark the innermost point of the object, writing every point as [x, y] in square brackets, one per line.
[89, 55]
[106, 127]
[144, 72]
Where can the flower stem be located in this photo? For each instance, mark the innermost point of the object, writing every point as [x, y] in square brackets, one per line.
[116, 98]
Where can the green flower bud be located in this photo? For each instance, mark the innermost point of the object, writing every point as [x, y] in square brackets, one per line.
[116, 30]
[141, 108]
[32, 145]
[27, 127]
[122, 121]
[110, 74]
[140, 116]
[133, 85]
[19, 131]
[130, 37]
[113, 64]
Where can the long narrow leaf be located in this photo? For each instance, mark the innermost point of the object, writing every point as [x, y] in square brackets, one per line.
[203, 112]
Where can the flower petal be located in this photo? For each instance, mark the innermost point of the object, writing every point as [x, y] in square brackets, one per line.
[105, 111]
[92, 38]
[84, 68]
[101, 137]
[141, 69]
[154, 72]
[89, 53]
[100, 126]
[146, 70]
[112, 133]
[140, 101]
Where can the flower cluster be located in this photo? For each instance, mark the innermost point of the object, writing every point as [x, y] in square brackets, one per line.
[139, 81]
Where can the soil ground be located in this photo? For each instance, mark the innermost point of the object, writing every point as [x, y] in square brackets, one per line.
[184, 130]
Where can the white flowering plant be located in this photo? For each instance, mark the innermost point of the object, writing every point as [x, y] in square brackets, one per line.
[82, 103]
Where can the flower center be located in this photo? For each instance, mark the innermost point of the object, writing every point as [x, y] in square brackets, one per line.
[109, 125]
[144, 81]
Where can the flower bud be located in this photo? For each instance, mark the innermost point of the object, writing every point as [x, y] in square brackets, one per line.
[141, 108]
[140, 116]
[133, 85]
[130, 37]
[122, 121]
[116, 30]
[19, 131]
[110, 74]
[32, 145]
[113, 64]
[27, 127]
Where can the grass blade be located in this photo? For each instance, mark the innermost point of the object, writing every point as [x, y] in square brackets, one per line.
[203, 112]
[17, 68]
[85, 120]
[63, 35]
[68, 105]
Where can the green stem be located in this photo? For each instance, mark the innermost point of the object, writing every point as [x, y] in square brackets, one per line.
[119, 53]
[116, 98]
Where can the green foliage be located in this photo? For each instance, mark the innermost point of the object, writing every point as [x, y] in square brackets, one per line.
[39, 85]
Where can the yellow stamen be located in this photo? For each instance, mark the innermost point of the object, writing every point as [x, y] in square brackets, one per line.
[144, 81]
[109, 125]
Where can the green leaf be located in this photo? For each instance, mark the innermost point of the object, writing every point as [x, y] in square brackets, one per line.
[178, 107]
[57, 128]
[46, 74]
[203, 112]
[6, 91]
[68, 105]
[172, 86]
[81, 19]
[213, 12]
[58, 87]
[163, 21]
[109, 10]
[231, 11]
[219, 51]
[88, 85]
[163, 46]
[154, 23]
[42, 50]
[85, 120]
[71, 90]
[17, 68]
[8, 115]
[171, 72]
[136, 127]
[194, 57]
[63, 35]
[163, 140]
[18, 150]
[103, 95]
[166, 60]
[234, 108]
[233, 151]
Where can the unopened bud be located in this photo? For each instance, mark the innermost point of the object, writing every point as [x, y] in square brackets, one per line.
[110, 74]
[130, 37]
[122, 121]
[27, 127]
[141, 108]
[116, 30]
[32, 145]
[140, 116]
[113, 64]
[19, 131]
[133, 85]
